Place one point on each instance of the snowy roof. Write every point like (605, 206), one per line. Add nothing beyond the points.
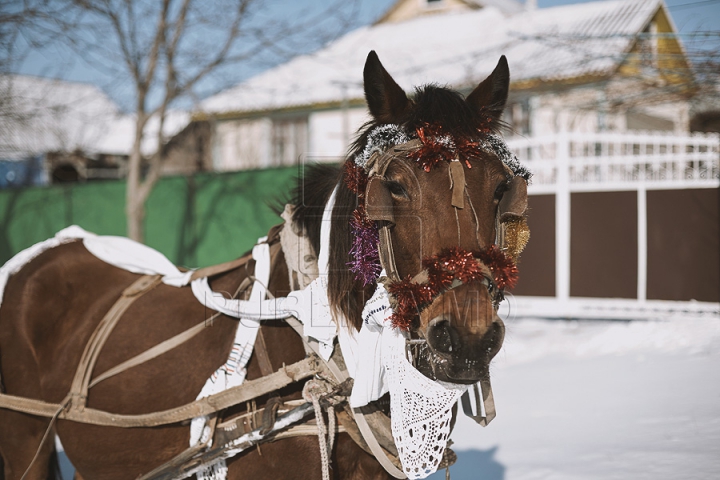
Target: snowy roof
(459, 49)
(39, 115)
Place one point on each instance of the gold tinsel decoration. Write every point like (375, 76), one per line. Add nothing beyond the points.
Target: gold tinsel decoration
(516, 237)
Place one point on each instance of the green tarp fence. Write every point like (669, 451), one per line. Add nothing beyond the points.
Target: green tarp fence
(195, 221)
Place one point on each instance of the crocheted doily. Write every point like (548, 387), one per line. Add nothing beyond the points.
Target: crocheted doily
(420, 408)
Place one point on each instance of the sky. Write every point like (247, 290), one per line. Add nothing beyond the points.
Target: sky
(690, 17)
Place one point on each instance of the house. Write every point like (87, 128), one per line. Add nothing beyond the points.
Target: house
(60, 131)
(602, 66)
(55, 131)
(624, 203)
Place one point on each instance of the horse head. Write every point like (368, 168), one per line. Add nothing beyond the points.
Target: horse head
(438, 194)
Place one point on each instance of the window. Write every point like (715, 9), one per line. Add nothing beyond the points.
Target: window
(517, 116)
(432, 3)
(289, 140)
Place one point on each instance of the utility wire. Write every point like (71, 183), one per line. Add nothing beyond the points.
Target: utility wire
(693, 4)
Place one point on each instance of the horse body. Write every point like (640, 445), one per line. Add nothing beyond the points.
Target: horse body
(52, 306)
(77, 289)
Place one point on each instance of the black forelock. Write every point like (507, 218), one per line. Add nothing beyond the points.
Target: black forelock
(433, 104)
(442, 106)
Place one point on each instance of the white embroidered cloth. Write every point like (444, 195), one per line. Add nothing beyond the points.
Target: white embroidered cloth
(421, 408)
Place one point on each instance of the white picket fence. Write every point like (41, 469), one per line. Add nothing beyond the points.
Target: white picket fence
(596, 162)
(612, 161)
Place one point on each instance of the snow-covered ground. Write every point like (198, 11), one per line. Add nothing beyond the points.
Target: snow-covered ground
(581, 400)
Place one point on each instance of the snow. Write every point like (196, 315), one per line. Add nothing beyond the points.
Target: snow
(43, 115)
(457, 48)
(586, 400)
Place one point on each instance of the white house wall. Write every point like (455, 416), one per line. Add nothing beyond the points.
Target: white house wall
(652, 98)
(331, 131)
(242, 144)
(587, 110)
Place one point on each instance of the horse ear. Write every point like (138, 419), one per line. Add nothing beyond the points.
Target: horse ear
(386, 100)
(490, 96)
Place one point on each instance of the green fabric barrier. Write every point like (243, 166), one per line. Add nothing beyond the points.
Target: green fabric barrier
(195, 221)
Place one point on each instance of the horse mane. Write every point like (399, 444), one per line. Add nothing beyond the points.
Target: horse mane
(432, 104)
(309, 196)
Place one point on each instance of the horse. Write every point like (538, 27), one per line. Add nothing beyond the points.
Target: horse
(54, 303)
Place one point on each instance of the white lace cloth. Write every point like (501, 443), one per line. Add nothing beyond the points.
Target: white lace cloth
(421, 409)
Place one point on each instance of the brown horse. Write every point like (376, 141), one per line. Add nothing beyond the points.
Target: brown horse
(52, 306)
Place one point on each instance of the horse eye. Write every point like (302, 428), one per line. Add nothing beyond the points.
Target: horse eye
(396, 190)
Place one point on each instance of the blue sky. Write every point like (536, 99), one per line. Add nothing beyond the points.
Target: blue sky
(690, 16)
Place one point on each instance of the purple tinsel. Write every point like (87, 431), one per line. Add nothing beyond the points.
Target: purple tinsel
(364, 252)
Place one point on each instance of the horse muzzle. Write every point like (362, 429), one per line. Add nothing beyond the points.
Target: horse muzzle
(452, 355)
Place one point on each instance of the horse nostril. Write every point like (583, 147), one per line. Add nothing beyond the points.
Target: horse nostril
(442, 337)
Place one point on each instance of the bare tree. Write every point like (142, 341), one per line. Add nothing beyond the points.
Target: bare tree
(168, 53)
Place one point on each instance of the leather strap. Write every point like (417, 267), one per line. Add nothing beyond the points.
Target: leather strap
(487, 400)
(340, 373)
(457, 181)
(261, 353)
(205, 406)
(79, 386)
(168, 344)
(377, 167)
(151, 353)
(220, 268)
(387, 253)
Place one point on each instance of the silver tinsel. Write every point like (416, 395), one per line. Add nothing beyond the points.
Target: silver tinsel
(495, 143)
(389, 135)
(379, 140)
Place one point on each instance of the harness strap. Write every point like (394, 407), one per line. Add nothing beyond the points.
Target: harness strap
(387, 253)
(487, 401)
(235, 427)
(457, 183)
(219, 268)
(205, 406)
(261, 353)
(168, 344)
(79, 386)
(377, 167)
(381, 422)
(151, 353)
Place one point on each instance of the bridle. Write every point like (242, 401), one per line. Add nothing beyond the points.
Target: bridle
(378, 207)
(494, 268)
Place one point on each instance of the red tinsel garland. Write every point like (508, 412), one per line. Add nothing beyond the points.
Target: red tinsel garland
(355, 178)
(442, 269)
(437, 147)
